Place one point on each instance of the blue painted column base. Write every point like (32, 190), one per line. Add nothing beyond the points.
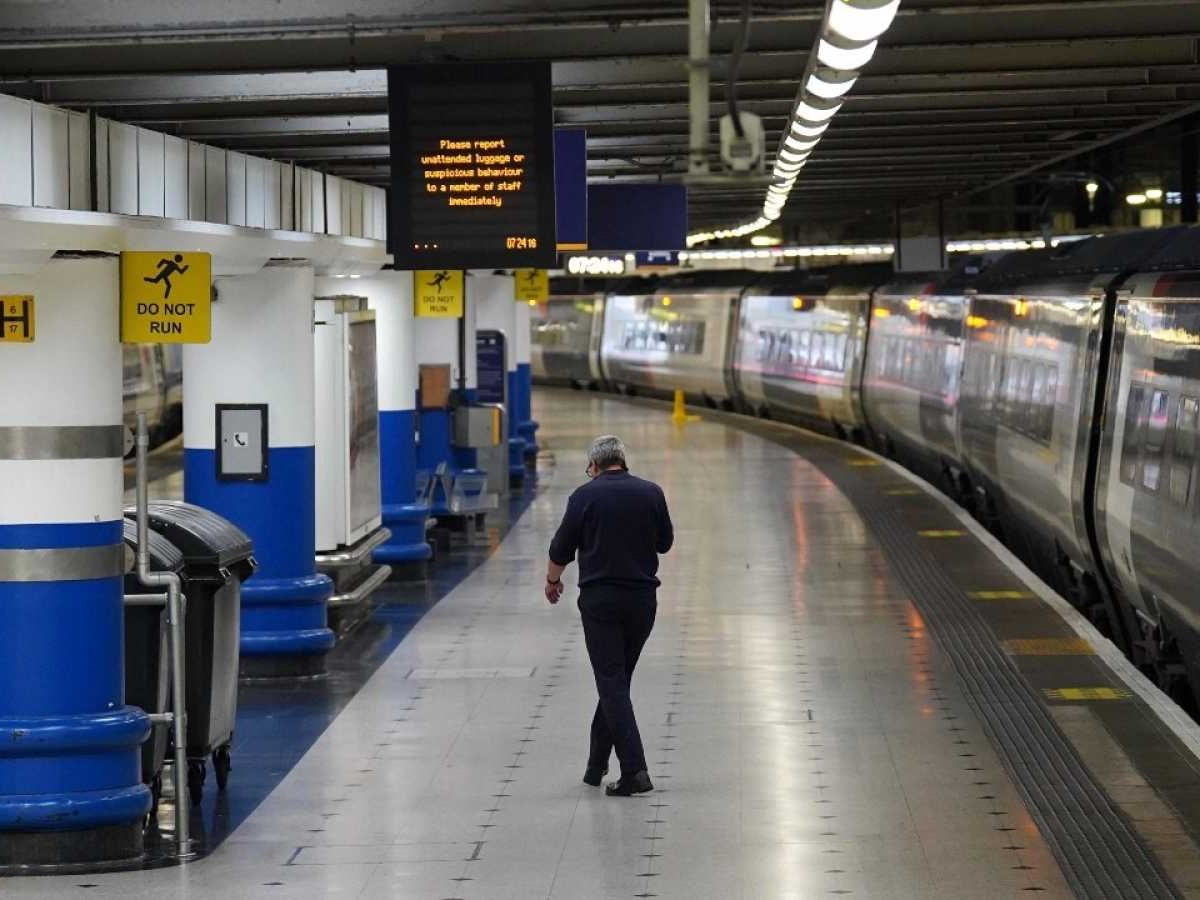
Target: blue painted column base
(284, 630)
(528, 430)
(406, 522)
(516, 460)
(284, 627)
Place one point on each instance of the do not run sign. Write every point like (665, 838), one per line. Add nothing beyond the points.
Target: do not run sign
(166, 297)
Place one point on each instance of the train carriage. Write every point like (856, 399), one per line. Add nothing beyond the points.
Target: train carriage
(800, 342)
(1034, 355)
(1147, 503)
(911, 377)
(672, 335)
(565, 341)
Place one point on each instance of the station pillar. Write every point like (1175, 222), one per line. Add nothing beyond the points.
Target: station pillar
(261, 354)
(390, 295)
(497, 310)
(71, 791)
(526, 426)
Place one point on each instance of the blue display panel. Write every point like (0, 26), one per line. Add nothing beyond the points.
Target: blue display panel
(489, 366)
(637, 216)
(571, 188)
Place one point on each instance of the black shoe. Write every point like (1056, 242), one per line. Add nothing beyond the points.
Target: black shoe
(637, 783)
(593, 775)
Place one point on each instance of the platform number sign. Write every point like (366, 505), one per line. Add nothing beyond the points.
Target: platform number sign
(16, 319)
(166, 297)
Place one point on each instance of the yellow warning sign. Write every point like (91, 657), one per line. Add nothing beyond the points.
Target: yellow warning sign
(438, 294)
(533, 285)
(166, 298)
(16, 319)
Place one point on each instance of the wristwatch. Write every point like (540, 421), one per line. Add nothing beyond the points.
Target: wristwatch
(556, 582)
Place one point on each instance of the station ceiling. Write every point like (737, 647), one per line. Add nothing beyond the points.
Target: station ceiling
(962, 93)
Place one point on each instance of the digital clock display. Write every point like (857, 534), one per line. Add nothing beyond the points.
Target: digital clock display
(472, 152)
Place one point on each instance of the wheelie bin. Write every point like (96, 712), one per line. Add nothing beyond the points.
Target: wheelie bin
(147, 656)
(217, 557)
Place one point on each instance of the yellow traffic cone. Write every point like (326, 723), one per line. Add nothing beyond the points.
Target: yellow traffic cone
(679, 415)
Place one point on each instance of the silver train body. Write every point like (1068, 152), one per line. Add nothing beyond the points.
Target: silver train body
(1054, 393)
(152, 382)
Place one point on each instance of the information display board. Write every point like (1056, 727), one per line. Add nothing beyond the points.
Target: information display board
(472, 153)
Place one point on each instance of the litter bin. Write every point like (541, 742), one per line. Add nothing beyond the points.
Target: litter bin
(217, 557)
(147, 662)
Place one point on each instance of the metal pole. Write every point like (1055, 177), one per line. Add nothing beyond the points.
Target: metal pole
(699, 37)
(174, 586)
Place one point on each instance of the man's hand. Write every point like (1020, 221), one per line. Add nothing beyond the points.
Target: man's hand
(554, 591)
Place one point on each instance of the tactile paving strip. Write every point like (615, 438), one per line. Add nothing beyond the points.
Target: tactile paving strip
(1100, 854)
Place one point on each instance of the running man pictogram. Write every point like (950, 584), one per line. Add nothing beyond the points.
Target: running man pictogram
(439, 279)
(167, 268)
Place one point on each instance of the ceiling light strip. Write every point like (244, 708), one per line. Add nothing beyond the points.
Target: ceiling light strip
(847, 40)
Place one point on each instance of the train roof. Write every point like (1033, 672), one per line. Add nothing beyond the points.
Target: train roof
(708, 280)
(818, 281)
(939, 282)
(1180, 252)
(1075, 260)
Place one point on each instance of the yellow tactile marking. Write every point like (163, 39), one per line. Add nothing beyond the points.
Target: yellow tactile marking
(1049, 647)
(1086, 693)
(941, 533)
(862, 463)
(902, 492)
(1001, 595)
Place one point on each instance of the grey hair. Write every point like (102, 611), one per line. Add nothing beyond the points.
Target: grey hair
(606, 451)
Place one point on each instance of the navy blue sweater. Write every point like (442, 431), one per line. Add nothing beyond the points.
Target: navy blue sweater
(617, 524)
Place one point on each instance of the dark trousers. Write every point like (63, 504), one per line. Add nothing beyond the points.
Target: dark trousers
(616, 623)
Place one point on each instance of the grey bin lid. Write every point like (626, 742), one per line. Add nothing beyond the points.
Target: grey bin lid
(205, 539)
(164, 556)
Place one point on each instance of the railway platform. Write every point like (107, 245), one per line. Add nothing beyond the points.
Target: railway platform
(851, 690)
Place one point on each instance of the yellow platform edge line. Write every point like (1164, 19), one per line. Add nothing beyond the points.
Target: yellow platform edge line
(1086, 693)
(1049, 647)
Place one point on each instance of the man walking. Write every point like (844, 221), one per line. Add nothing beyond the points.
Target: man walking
(617, 524)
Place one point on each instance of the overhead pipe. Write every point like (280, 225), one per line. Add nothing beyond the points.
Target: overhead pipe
(699, 38)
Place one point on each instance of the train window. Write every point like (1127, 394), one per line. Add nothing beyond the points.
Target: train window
(1025, 395)
(1050, 404)
(1037, 400)
(1187, 419)
(816, 351)
(1131, 441)
(831, 353)
(1156, 435)
(802, 345)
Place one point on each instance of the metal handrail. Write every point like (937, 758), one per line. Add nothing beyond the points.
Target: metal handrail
(369, 584)
(354, 555)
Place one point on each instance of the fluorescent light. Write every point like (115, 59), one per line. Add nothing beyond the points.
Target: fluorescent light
(1135, 199)
(793, 156)
(1154, 194)
(806, 112)
(861, 23)
(792, 142)
(842, 59)
(828, 90)
(765, 240)
(804, 129)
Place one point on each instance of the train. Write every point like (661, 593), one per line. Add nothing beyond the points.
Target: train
(152, 383)
(1054, 393)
